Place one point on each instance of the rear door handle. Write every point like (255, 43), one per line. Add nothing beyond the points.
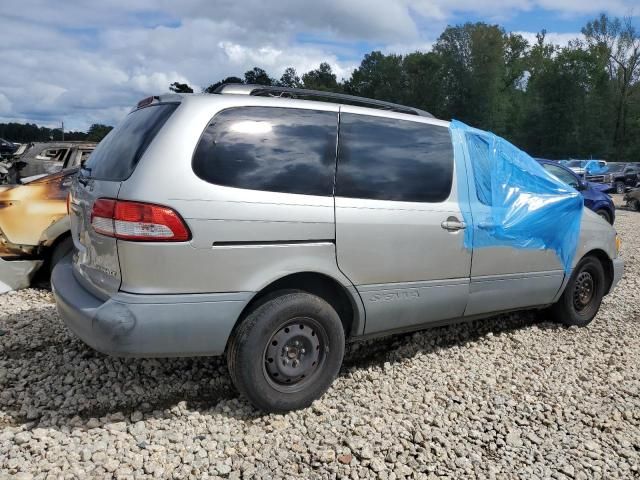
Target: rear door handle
(452, 224)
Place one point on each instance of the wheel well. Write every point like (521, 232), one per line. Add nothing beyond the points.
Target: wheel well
(61, 238)
(607, 265)
(317, 284)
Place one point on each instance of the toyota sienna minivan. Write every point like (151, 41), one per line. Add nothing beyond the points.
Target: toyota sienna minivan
(265, 225)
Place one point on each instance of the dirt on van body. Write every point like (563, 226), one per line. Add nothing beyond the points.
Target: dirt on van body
(512, 396)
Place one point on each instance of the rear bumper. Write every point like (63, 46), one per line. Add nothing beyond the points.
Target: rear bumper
(16, 274)
(618, 271)
(130, 325)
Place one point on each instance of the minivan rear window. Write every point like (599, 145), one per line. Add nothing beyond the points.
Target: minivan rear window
(273, 149)
(116, 156)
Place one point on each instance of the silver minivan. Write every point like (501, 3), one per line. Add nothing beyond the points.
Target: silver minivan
(271, 227)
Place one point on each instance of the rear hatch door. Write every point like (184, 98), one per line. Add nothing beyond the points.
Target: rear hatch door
(112, 163)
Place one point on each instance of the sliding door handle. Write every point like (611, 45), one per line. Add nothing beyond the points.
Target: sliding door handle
(452, 224)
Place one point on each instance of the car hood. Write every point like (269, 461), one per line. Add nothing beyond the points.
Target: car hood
(601, 187)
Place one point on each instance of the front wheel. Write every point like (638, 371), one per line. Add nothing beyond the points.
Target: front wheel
(634, 204)
(582, 296)
(287, 352)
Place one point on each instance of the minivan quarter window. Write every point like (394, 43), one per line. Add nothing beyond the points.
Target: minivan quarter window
(274, 149)
(389, 159)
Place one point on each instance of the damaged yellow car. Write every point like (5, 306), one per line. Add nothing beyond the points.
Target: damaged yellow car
(34, 228)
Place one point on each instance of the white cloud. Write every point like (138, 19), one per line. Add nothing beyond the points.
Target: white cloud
(555, 38)
(87, 63)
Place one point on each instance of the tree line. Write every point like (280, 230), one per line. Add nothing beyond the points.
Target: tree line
(30, 132)
(581, 100)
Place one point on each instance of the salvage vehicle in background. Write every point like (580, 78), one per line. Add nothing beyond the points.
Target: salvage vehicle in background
(584, 166)
(619, 177)
(7, 147)
(297, 225)
(594, 194)
(44, 158)
(34, 228)
(632, 199)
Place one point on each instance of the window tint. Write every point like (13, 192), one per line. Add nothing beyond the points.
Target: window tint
(266, 148)
(561, 174)
(117, 155)
(389, 159)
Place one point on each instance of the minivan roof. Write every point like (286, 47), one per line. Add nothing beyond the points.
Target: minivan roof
(301, 93)
(296, 94)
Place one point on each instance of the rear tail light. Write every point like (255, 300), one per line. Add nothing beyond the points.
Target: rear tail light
(68, 203)
(137, 221)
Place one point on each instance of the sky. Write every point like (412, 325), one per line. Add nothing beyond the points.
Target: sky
(90, 62)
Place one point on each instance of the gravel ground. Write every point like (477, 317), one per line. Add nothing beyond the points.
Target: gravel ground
(512, 396)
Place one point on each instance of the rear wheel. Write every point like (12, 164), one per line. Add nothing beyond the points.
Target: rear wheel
(582, 296)
(604, 214)
(287, 352)
(620, 187)
(634, 204)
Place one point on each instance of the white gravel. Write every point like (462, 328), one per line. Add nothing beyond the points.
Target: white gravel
(503, 398)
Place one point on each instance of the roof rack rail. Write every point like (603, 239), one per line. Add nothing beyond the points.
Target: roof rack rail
(286, 92)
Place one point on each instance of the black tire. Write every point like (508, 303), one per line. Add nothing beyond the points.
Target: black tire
(302, 363)
(634, 204)
(60, 250)
(582, 296)
(620, 187)
(604, 214)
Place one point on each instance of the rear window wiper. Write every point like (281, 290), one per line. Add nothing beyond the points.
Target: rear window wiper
(82, 178)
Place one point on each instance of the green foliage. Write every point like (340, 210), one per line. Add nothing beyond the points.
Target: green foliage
(212, 88)
(290, 79)
(180, 88)
(581, 100)
(30, 132)
(97, 132)
(257, 76)
(322, 78)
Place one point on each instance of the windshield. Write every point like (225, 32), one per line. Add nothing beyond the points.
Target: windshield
(575, 163)
(117, 155)
(616, 168)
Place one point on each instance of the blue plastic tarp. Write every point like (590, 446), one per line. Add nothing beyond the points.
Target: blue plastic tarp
(516, 202)
(593, 167)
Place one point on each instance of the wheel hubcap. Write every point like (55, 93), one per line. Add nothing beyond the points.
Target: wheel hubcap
(583, 291)
(294, 352)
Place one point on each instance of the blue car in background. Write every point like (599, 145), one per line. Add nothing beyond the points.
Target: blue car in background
(594, 197)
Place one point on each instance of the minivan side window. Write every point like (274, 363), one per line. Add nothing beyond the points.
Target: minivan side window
(286, 150)
(389, 159)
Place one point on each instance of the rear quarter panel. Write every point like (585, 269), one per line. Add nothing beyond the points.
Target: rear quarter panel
(302, 224)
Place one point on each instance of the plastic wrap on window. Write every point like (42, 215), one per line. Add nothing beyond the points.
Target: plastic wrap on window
(516, 202)
(593, 167)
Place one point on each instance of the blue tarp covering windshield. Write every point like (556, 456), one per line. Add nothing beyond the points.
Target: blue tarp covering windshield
(516, 203)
